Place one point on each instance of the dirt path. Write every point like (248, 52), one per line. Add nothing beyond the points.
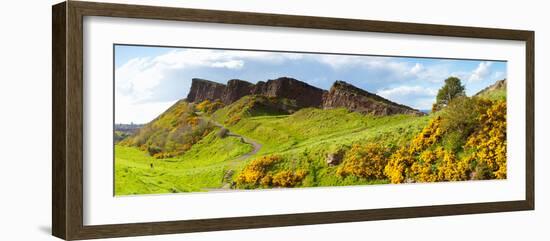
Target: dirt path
(256, 145)
(233, 163)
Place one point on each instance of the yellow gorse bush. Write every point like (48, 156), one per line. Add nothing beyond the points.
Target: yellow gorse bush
(208, 106)
(399, 167)
(489, 142)
(439, 165)
(288, 178)
(367, 161)
(425, 160)
(258, 173)
(256, 170)
(429, 136)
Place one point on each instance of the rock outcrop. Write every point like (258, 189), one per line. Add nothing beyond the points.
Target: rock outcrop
(499, 85)
(345, 95)
(341, 94)
(202, 89)
(235, 90)
(304, 94)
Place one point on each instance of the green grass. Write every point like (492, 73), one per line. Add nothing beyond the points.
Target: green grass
(315, 128)
(302, 139)
(499, 94)
(200, 168)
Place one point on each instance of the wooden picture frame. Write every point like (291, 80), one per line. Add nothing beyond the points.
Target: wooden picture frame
(67, 122)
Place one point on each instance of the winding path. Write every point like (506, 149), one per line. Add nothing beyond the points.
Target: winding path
(256, 145)
(232, 164)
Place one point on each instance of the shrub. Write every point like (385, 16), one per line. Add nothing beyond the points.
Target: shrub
(367, 161)
(208, 106)
(424, 170)
(288, 178)
(427, 137)
(423, 160)
(256, 170)
(450, 168)
(153, 150)
(460, 115)
(488, 143)
(439, 165)
(259, 172)
(267, 180)
(399, 164)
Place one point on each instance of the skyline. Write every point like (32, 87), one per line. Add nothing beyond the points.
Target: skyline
(150, 79)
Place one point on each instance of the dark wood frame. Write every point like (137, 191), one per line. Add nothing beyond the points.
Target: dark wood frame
(67, 121)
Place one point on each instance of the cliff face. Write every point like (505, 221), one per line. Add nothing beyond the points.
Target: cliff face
(235, 90)
(345, 95)
(305, 95)
(341, 94)
(202, 89)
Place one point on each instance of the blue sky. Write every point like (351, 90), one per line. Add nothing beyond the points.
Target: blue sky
(150, 79)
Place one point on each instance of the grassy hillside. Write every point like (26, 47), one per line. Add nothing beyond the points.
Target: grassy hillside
(496, 91)
(254, 105)
(201, 167)
(172, 133)
(498, 94)
(304, 139)
(261, 142)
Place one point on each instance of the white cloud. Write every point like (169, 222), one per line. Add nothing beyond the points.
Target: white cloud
(375, 63)
(416, 91)
(137, 79)
(128, 111)
(416, 68)
(414, 96)
(481, 72)
(231, 64)
(390, 68)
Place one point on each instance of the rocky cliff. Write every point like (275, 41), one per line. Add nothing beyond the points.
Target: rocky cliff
(305, 95)
(235, 90)
(202, 89)
(342, 94)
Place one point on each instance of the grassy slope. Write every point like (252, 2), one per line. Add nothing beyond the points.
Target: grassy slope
(305, 137)
(498, 94)
(200, 167)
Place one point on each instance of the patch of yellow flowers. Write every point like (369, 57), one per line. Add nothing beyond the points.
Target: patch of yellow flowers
(422, 161)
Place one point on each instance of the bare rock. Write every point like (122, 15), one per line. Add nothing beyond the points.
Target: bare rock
(202, 89)
(345, 95)
(235, 90)
(301, 94)
(304, 94)
(335, 158)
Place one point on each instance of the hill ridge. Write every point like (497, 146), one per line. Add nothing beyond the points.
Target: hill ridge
(341, 94)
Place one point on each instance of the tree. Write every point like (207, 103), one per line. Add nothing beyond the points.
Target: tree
(453, 88)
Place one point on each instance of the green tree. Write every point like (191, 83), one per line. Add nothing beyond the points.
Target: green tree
(453, 88)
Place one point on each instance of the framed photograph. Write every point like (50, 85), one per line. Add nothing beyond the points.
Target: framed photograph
(171, 120)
